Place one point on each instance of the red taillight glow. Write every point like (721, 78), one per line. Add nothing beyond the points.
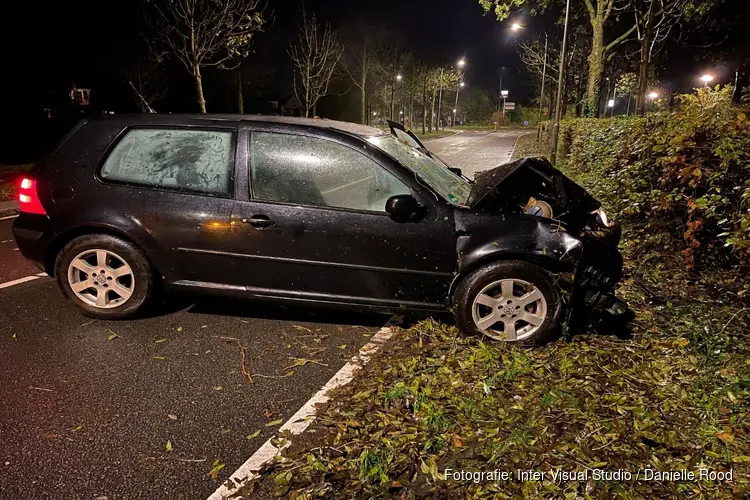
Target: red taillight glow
(28, 200)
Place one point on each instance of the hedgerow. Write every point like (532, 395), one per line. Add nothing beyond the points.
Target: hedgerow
(683, 177)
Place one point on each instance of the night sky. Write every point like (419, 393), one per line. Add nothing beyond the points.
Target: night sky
(48, 45)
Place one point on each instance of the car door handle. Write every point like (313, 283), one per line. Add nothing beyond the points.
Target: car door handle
(259, 221)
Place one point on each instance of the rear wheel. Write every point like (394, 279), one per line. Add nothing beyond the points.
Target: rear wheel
(513, 301)
(105, 276)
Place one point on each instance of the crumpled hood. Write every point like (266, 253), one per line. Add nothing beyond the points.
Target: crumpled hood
(572, 195)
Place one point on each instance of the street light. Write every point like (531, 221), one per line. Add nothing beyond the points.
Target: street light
(516, 27)
(461, 63)
(560, 80)
(653, 95)
(399, 78)
(707, 79)
(460, 86)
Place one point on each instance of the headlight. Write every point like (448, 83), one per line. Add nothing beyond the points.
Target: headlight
(603, 217)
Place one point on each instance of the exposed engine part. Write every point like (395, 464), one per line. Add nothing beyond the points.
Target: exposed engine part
(539, 208)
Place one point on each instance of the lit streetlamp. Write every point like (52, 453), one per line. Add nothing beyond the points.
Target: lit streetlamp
(460, 86)
(516, 27)
(461, 63)
(707, 79)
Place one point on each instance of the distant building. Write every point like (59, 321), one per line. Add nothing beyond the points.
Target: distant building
(80, 96)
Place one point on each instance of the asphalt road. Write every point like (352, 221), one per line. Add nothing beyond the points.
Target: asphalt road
(473, 151)
(88, 414)
(89, 406)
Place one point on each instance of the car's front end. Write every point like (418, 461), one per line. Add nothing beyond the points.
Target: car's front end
(534, 188)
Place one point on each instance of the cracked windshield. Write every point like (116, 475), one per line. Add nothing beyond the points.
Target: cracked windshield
(447, 184)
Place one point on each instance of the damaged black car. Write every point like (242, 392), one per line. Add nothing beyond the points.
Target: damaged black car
(315, 212)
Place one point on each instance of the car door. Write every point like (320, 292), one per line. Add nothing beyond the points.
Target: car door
(315, 226)
(187, 175)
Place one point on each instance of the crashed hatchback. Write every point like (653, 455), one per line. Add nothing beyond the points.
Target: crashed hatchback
(315, 212)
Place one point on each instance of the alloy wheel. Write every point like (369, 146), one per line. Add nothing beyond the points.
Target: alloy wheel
(101, 278)
(509, 309)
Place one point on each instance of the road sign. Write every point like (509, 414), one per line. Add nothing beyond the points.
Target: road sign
(510, 106)
(526, 123)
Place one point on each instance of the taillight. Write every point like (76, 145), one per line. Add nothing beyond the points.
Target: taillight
(28, 200)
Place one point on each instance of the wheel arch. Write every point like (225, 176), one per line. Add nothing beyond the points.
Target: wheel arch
(548, 263)
(58, 243)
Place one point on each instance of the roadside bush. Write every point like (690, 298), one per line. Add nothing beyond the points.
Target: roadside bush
(685, 173)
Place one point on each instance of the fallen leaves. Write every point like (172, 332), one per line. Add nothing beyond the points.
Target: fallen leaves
(168, 447)
(593, 402)
(112, 335)
(253, 434)
(217, 466)
(274, 423)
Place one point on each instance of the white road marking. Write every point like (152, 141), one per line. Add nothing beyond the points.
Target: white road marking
(25, 279)
(304, 416)
(8, 217)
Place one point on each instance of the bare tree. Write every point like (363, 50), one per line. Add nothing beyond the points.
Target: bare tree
(655, 21)
(361, 60)
(201, 33)
(147, 79)
(316, 56)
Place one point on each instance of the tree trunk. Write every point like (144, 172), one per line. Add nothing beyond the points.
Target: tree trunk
(411, 110)
(440, 102)
(199, 87)
(432, 111)
(645, 59)
(240, 97)
(363, 98)
(393, 99)
(596, 68)
(424, 107)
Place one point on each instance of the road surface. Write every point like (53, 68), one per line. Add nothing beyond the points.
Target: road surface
(90, 406)
(473, 151)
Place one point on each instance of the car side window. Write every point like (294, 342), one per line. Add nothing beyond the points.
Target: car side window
(313, 171)
(183, 160)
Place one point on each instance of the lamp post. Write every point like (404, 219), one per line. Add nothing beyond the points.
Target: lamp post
(541, 95)
(461, 63)
(398, 78)
(558, 105)
(455, 107)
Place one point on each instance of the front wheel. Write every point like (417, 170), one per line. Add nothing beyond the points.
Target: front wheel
(513, 301)
(105, 276)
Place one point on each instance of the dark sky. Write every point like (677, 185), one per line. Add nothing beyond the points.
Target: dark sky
(87, 39)
(49, 44)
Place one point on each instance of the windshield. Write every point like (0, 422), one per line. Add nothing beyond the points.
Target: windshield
(440, 179)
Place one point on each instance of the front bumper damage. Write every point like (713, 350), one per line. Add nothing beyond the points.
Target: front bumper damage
(593, 302)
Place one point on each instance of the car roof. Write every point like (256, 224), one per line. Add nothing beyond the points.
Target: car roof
(208, 119)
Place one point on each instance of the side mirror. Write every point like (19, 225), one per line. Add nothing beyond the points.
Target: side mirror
(403, 207)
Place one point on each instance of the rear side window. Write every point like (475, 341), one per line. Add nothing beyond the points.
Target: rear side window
(183, 160)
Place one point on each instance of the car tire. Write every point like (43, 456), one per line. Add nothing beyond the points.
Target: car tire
(105, 289)
(485, 289)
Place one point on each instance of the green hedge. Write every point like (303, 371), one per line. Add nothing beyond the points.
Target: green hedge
(683, 177)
